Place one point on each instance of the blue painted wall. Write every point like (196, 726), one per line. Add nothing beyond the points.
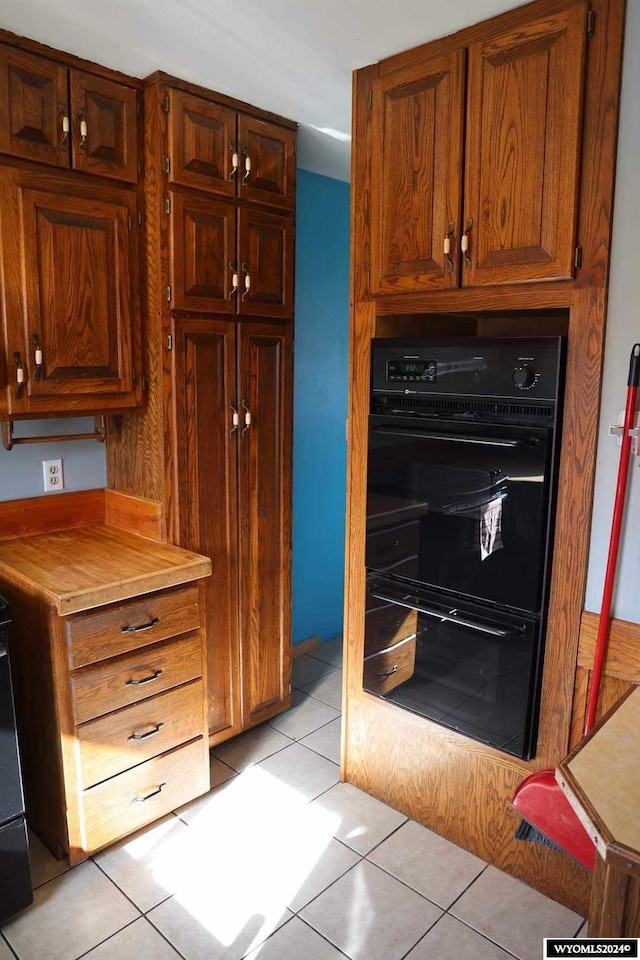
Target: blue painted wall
(320, 404)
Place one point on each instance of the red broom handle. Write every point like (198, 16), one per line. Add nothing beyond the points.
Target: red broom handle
(614, 542)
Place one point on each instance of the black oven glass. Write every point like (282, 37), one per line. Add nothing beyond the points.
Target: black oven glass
(465, 668)
(459, 506)
(461, 474)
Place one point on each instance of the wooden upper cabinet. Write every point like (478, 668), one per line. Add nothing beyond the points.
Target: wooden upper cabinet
(524, 123)
(265, 247)
(33, 104)
(205, 387)
(264, 478)
(203, 247)
(202, 144)
(267, 163)
(71, 293)
(104, 127)
(417, 141)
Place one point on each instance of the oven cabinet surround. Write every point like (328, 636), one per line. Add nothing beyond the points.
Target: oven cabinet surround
(510, 101)
(458, 787)
(216, 434)
(110, 679)
(70, 235)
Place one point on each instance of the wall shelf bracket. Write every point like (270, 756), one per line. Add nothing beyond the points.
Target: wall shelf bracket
(9, 441)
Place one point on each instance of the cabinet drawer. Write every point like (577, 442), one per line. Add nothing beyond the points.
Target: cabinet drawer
(387, 669)
(116, 683)
(121, 740)
(387, 624)
(121, 627)
(127, 802)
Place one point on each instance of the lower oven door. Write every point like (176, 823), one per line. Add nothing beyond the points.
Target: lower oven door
(466, 666)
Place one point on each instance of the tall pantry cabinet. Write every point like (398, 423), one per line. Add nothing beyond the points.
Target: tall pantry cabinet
(214, 442)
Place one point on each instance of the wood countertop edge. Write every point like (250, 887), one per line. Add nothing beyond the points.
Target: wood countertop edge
(76, 600)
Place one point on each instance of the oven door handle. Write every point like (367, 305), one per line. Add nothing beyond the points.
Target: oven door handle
(450, 617)
(455, 438)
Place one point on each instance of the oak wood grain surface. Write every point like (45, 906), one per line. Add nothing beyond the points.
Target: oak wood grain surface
(121, 740)
(110, 145)
(135, 514)
(270, 150)
(32, 515)
(135, 623)
(88, 566)
(111, 684)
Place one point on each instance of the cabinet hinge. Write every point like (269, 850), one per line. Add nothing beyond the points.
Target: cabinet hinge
(129, 222)
(577, 260)
(370, 99)
(591, 21)
(165, 104)
(139, 167)
(134, 376)
(167, 165)
(144, 384)
(167, 205)
(139, 212)
(169, 341)
(368, 278)
(168, 291)
(137, 105)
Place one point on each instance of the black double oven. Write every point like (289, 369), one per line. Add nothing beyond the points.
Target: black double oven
(462, 462)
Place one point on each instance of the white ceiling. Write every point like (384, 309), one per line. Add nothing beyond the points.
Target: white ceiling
(293, 57)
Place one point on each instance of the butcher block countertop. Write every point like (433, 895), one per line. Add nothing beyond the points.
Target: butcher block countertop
(88, 566)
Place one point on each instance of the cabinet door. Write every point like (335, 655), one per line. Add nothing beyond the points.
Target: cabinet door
(265, 249)
(108, 143)
(203, 254)
(202, 144)
(33, 105)
(417, 172)
(267, 163)
(524, 120)
(206, 441)
(70, 268)
(264, 491)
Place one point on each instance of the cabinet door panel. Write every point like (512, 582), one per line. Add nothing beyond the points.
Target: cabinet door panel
(33, 102)
(202, 142)
(417, 173)
(523, 150)
(270, 152)
(265, 248)
(265, 354)
(204, 356)
(70, 271)
(203, 254)
(109, 148)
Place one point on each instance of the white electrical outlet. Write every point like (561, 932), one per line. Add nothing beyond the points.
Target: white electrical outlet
(53, 476)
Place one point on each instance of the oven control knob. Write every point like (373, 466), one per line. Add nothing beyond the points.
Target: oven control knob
(523, 377)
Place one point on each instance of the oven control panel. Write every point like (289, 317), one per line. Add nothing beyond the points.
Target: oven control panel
(469, 367)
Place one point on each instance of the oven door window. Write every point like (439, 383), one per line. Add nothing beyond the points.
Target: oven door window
(477, 676)
(459, 506)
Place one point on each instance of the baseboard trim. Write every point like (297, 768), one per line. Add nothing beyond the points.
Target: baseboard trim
(305, 646)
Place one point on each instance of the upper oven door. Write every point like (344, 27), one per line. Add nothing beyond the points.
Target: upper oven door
(459, 505)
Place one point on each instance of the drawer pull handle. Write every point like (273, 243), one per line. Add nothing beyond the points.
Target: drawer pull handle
(389, 673)
(138, 683)
(141, 626)
(148, 796)
(150, 733)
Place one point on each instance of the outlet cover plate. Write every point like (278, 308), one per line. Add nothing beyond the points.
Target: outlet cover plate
(53, 476)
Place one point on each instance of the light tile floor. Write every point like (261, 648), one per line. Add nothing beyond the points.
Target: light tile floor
(281, 861)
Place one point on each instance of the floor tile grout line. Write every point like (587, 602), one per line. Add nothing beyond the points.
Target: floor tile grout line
(106, 939)
(111, 880)
(315, 729)
(468, 886)
(157, 929)
(420, 939)
(10, 948)
(326, 939)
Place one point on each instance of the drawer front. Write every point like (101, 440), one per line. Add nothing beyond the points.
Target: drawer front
(118, 628)
(387, 624)
(116, 683)
(122, 740)
(394, 549)
(127, 802)
(387, 669)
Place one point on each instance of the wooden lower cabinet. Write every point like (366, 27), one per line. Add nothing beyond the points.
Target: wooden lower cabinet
(109, 746)
(233, 439)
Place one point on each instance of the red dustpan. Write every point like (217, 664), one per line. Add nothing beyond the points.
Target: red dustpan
(548, 817)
